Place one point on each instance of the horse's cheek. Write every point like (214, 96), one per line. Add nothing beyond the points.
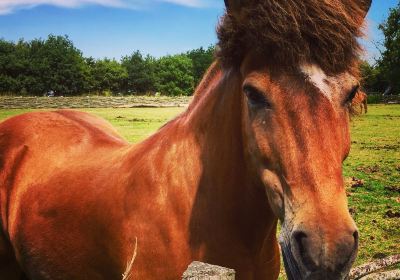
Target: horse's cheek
(274, 193)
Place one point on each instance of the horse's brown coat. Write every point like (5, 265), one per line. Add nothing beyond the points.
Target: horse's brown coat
(74, 196)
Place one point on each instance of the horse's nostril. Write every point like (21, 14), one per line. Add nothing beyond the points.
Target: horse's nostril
(355, 236)
(299, 237)
(302, 246)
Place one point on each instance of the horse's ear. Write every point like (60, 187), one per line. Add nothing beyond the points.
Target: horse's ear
(233, 6)
(365, 5)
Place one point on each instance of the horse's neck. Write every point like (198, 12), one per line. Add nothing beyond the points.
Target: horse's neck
(200, 156)
(226, 194)
(215, 118)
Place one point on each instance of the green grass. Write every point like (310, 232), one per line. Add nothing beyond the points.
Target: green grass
(136, 124)
(374, 158)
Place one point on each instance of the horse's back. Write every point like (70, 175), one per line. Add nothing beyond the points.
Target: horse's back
(50, 166)
(48, 139)
(60, 126)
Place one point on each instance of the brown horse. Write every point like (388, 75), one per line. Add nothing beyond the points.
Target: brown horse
(263, 139)
(360, 101)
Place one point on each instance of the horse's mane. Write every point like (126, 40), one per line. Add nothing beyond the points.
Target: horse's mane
(290, 32)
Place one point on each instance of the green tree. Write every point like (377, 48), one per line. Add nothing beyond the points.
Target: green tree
(53, 64)
(7, 81)
(201, 59)
(21, 67)
(89, 84)
(14, 66)
(141, 73)
(108, 75)
(66, 65)
(174, 75)
(371, 76)
(389, 63)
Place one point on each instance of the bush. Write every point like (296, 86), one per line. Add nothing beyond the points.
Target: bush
(375, 98)
(174, 75)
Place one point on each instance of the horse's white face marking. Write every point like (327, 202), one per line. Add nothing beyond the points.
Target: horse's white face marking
(318, 78)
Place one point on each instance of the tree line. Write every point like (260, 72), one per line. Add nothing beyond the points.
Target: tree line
(55, 64)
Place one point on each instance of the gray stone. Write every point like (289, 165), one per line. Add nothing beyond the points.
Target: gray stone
(204, 271)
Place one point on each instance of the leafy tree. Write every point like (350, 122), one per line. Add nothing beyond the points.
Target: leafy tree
(65, 65)
(174, 75)
(141, 73)
(7, 82)
(39, 66)
(14, 65)
(108, 76)
(89, 84)
(389, 63)
(201, 59)
(21, 68)
(372, 80)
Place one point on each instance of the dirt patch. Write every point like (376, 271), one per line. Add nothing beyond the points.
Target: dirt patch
(145, 120)
(354, 183)
(369, 169)
(379, 255)
(388, 147)
(392, 214)
(395, 189)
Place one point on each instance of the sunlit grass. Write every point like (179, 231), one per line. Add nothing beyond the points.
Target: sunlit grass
(375, 158)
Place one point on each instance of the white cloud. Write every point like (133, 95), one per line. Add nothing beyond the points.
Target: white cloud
(190, 3)
(9, 6)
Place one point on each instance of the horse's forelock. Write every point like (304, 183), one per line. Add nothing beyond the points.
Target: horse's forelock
(292, 32)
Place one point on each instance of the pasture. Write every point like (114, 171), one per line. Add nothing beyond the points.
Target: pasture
(372, 170)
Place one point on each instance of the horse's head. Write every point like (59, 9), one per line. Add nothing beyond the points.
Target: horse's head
(298, 135)
(297, 84)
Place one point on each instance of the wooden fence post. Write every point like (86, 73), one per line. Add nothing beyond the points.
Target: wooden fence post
(204, 271)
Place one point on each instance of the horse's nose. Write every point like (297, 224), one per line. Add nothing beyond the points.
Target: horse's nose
(329, 255)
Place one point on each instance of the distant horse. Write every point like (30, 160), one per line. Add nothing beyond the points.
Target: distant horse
(263, 139)
(360, 101)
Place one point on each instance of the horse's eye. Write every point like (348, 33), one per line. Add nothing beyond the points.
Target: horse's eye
(351, 94)
(255, 97)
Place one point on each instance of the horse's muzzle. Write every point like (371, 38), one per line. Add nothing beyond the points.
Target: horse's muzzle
(308, 257)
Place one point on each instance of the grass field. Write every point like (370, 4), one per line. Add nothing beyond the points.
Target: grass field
(372, 170)
(375, 160)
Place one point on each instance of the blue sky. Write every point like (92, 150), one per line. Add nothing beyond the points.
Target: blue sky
(113, 28)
